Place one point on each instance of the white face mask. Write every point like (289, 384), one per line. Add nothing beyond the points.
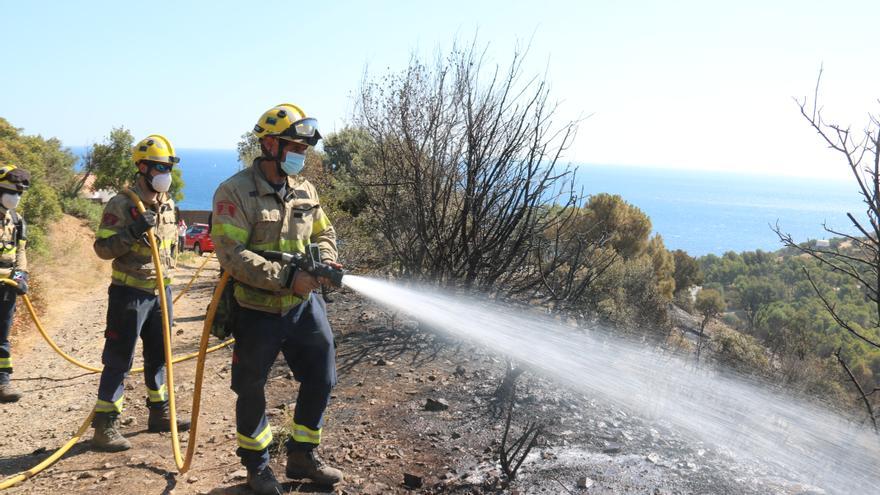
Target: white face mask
(161, 182)
(10, 201)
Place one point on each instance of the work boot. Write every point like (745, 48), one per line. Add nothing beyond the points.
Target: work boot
(8, 393)
(307, 464)
(107, 436)
(160, 420)
(263, 482)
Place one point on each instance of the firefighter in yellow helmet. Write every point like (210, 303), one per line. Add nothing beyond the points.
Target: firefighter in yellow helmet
(267, 207)
(134, 309)
(13, 265)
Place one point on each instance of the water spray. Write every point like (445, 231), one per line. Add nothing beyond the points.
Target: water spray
(751, 422)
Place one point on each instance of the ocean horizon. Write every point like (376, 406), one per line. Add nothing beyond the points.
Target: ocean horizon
(701, 212)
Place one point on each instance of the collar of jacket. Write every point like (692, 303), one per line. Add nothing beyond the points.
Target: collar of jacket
(262, 183)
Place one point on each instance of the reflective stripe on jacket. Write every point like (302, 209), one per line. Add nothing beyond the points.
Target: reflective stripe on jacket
(132, 258)
(249, 215)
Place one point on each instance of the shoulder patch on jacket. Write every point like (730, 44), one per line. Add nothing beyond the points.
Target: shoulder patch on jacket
(225, 208)
(109, 219)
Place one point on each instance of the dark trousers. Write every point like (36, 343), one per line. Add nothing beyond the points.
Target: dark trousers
(132, 313)
(303, 335)
(7, 310)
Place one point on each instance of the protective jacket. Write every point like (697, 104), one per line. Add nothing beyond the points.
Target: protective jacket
(13, 238)
(132, 259)
(250, 216)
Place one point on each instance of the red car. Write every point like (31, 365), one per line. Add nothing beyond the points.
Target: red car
(198, 238)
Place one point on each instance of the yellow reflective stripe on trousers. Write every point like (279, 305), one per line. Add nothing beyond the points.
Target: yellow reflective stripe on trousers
(160, 395)
(304, 434)
(260, 442)
(6, 362)
(10, 250)
(139, 283)
(102, 406)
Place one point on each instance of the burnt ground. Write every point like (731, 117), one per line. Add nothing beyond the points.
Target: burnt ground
(378, 427)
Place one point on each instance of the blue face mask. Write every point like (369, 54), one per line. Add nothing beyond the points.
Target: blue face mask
(293, 163)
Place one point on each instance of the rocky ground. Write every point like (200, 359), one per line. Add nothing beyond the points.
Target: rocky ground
(413, 412)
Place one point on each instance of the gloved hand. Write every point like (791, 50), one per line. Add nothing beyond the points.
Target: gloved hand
(304, 283)
(324, 281)
(142, 223)
(20, 278)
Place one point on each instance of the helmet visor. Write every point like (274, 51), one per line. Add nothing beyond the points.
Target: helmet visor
(303, 129)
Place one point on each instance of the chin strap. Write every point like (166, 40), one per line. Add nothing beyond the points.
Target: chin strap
(276, 158)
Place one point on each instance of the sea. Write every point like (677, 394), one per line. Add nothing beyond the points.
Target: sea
(700, 212)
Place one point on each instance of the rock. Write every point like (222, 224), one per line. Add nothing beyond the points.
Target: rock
(376, 489)
(612, 448)
(436, 405)
(456, 435)
(192, 479)
(412, 480)
(129, 421)
(653, 458)
(460, 371)
(381, 362)
(271, 412)
(106, 476)
(85, 474)
(585, 482)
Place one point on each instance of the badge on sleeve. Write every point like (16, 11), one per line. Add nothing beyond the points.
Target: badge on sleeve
(109, 219)
(225, 208)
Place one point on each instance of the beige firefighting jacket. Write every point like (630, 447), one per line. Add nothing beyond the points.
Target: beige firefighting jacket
(12, 245)
(250, 216)
(132, 258)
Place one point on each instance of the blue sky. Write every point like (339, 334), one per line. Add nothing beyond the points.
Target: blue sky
(689, 84)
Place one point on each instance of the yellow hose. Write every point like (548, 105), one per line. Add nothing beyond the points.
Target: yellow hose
(200, 373)
(193, 279)
(166, 331)
(183, 464)
(30, 473)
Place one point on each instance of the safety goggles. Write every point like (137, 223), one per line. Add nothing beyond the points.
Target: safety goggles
(161, 167)
(305, 130)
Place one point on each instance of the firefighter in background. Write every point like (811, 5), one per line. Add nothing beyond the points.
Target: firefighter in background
(13, 265)
(269, 206)
(134, 309)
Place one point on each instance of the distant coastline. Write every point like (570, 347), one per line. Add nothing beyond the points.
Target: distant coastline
(701, 212)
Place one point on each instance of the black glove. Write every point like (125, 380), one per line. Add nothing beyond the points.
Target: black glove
(21, 278)
(142, 223)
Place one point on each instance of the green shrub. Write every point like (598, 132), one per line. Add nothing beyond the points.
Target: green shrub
(85, 209)
(740, 352)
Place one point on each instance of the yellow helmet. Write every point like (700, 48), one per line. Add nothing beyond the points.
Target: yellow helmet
(288, 121)
(14, 179)
(155, 148)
